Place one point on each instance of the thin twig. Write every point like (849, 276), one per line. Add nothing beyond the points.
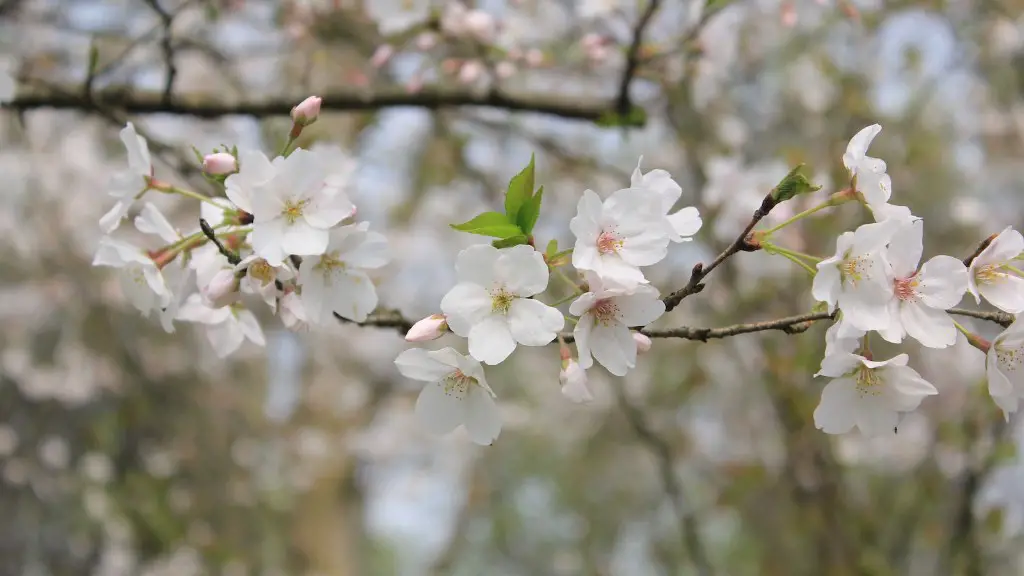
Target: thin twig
(210, 234)
(622, 103)
(166, 21)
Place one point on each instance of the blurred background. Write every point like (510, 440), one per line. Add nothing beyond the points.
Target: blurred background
(125, 450)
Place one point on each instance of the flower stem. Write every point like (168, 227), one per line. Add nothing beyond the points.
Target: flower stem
(804, 214)
(798, 262)
(1014, 269)
(770, 247)
(568, 281)
(171, 189)
(571, 319)
(566, 299)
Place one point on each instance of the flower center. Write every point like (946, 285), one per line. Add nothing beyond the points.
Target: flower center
(605, 311)
(868, 382)
(457, 384)
(137, 276)
(262, 271)
(906, 289)
(328, 264)
(501, 300)
(852, 269)
(988, 274)
(609, 243)
(1009, 358)
(292, 210)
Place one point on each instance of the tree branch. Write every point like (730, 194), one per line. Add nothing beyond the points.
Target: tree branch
(1001, 318)
(622, 103)
(213, 106)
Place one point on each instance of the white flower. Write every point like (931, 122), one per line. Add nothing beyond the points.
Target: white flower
(222, 289)
(395, 16)
(990, 273)
(178, 278)
(430, 328)
(126, 185)
(491, 303)
(141, 280)
(294, 210)
(606, 314)
(858, 278)
(921, 298)
(335, 282)
(868, 394)
(684, 222)
(574, 382)
(226, 328)
(152, 221)
(292, 312)
(8, 87)
(841, 337)
(254, 169)
(457, 393)
(872, 181)
(616, 237)
(1003, 363)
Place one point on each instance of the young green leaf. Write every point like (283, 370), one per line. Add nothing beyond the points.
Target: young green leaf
(489, 224)
(511, 241)
(530, 211)
(520, 189)
(552, 248)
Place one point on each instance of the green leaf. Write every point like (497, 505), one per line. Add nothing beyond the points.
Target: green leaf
(552, 248)
(530, 211)
(794, 184)
(511, 241)
(520, 189)
(489, 224)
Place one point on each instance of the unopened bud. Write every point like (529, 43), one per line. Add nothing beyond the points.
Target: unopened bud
(307, 111)
(382, 55)
(574, 382)
(219, 164)
(788, 15)
(643, 342)
(222, 289)
(430, 328)
(261, 270)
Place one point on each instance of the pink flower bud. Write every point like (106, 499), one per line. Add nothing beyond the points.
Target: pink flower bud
(430, 328)
(222, 289)
(479, 24)
(534, 57)
(574, 382)
(505, 69)
(789, 15)
(643, 342)
(591, 40)
(307, 111)
(426, 41)
(219, 163)
(471, 71)
(382, 55)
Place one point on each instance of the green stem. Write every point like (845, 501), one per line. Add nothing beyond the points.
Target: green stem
(1014, 269)
(171, 189)
(804, 214)
(798, 262)
(292, 137)
(571, 319)
(566, 299)
(769, 247)
(962, 330)
(575, 287)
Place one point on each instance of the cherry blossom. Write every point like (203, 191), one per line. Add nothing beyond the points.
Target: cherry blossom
(606, 314)
(868, 394)
(456, 394)
(336, 281)
(254, 169)
(126, 185)
(491, 303)
(294, 209)
(1004, 366)
(573, 379)
(921, 297)
(226, 328)
(858, 278)
(616, 237)
(141, 280)
(872, 181)
(292, 312)
(430, 328)
(682, 224)
(993, 276)
(219, 163)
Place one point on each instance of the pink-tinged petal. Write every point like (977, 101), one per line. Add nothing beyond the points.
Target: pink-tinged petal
(905, 248)
(686, 222)
(875, 419)
(942, 282)
(112, 219)
(521, 270)
(250, 327)
(639, 309)
(351, 295)
(613, 347)
(466, 305)
(438, 410)
(482, 417)
(586, 225)
(827, 285)
(534, 323)
(490, 341)
(1006, 292)
(581, 333)
(476, 263)
(857, 149)
(929, 326)
(328, 208)
(419, 364)
(1006, 246)
(835, 413)
(225, 338)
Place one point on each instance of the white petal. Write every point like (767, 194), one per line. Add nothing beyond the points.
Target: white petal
(904, 387)
(1006, 292)
(475, 264)
(869, 238)
(250, 327)
(586, 225)
(352, 295)
(267, 240)
(942, 282)
(581, 333)
(999, 386)
(438, 411)
(225, 337)
(302, 239)
(328, 208)
(1004, 247)
(466, 305)
(644, 249)
(835, 411)
(138, 152)
(490, 340)
(894, 331)
(534, 323)
(482, 417)
(905, 248)
(929, 326)
(686, 222)
(839, 364)
(521, 270)
(195, 310)
(858, 146)
(419, 364)
(580, 305)
(865, 308)
(874, 419)
(827, 285)
(152, 221)
(613, 347)
(112, 219)
(639, 309)
(614, 270)
(373, 252)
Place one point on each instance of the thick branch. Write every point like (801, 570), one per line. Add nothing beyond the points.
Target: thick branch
(214, 106)
(1001, 318)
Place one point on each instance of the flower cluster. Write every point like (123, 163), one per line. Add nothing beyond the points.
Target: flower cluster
(284, 234)
(494, 303)
(877, 282)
